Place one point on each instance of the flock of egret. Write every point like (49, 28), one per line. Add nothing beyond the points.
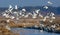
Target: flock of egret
(23, 14)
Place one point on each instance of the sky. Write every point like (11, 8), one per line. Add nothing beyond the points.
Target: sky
(21, 3)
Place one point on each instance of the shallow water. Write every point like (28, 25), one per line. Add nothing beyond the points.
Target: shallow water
(23, 31)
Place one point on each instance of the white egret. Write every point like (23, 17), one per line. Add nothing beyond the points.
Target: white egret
(53, 26)
(41, 15)
(7, 27)
(16, 7)
(37, 11)
(8, 20)
(49, 2)
(10, 6)
(12, 17)
(24, 10)
(34, 15)
(46, 7)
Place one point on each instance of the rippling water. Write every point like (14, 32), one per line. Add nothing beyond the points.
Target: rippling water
(23, 31)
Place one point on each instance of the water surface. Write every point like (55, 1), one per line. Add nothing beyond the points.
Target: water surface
(23, 31)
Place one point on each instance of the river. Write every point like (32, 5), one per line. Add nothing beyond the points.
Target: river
(25, 31)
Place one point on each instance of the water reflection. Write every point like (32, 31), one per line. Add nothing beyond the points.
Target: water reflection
(23, 31)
